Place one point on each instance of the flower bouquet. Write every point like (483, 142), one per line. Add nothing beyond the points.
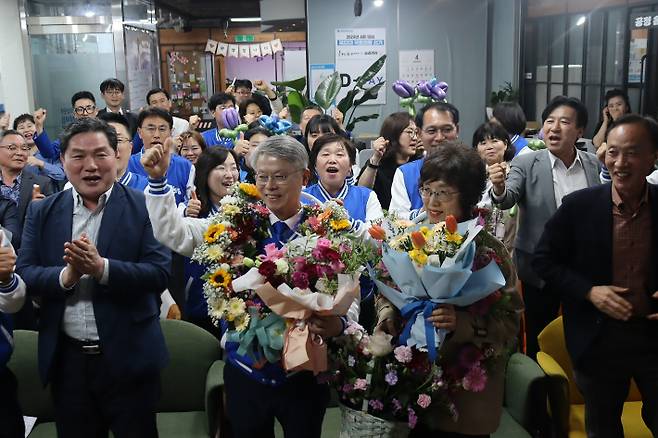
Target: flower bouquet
(316, 273)
(424, 266)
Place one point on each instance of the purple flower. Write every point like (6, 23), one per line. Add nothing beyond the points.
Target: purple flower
(475, 380)
(403, 354)
(424, 400)
(403, 89)
(397, 406)
(391, 378)
(376, 405)
(437, 93)
(412, 418)
(444, 86)
(347, 388)
(300, 279)
(424, 88)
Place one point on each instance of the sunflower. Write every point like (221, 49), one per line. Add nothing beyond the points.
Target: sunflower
(220, 279)
(338, 225)
(212, 233)
(249, 190)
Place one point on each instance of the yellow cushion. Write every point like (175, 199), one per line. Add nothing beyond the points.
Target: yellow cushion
(631, 418)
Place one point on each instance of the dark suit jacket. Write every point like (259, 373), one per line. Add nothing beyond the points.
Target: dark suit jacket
(575, 253)
(9, 220)
(130, 117)
(28, 180)
(127, 309)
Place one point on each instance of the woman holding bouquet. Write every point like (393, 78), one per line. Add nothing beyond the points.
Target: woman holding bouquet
(451, 183)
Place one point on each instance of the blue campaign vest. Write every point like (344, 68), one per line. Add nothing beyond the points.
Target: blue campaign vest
(212, 138)
(177, 176)
(355, 198)
(6, 347)
(411, 175)
(519, 143)
(134, 181)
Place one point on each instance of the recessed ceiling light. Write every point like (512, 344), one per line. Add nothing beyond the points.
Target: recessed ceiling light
(89, 14)
(378, 3)
(581, 21)
(245, 19)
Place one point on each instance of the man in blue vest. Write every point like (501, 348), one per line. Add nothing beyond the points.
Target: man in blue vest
(12, 297)
(437, 122)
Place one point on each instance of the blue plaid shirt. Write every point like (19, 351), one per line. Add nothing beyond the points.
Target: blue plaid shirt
(12, 192)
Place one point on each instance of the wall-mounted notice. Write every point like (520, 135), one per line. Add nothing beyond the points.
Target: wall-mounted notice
(416, 65)
(356, 50)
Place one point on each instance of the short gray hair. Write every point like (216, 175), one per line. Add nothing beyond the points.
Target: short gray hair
(284, 148)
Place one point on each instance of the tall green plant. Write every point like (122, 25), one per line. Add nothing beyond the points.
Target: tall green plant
(293, 94)
(505, 93)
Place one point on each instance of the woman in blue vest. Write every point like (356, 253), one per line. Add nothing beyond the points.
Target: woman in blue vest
(332, 157)
(216, 172)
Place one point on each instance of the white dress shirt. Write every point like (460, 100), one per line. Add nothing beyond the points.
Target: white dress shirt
(565, 180)
(79, 321)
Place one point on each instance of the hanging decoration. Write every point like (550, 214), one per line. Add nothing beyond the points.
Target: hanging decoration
(254, 50)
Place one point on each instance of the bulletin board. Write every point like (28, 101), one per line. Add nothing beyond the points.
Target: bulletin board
(187, 82)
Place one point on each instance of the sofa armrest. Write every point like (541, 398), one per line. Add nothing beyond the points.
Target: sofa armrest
(214, 395)
(558, 393)
(525, 394)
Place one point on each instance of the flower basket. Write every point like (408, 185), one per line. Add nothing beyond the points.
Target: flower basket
(359, 424)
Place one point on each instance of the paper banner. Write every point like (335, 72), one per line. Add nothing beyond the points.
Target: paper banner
(211, 46)
(244, 51)
(233, 50)
(254, 50)
(222, 49)
(276, 45)
(265, 49)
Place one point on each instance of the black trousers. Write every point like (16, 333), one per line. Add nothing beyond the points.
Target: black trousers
(11, 419)
(88, 402)
(623, 351)
(299, 405)
(541, 307)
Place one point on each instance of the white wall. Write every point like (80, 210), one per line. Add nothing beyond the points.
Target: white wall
(505, 44)
(455, 29)
(15, 72)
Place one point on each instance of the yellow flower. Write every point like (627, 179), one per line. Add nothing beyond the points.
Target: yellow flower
(338, 225)
(215, 252)
(230, 209)
(212, 233)
(418, 256)
(454, 238)
(217, 308)
(426, 231)
(250, 190)
(220, 279)
(236, 309)
(241, 322)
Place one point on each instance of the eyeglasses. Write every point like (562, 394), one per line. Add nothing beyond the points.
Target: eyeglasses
(89, 109)
(441, 195)
(410, 132)
(188, 149)
(444, 130)
(114, 92)
(278, 179)
(13, 148)
(153, 129)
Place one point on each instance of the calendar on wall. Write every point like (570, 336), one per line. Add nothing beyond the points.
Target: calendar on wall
(416, 65)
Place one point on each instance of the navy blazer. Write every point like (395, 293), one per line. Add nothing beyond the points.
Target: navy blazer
(575, 253)
(127, 308)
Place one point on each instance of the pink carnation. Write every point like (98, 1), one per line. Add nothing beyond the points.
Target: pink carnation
(475, 380)
(403, 354)
(360, 384)
(272, 253)
(323, 243)
(424, 400)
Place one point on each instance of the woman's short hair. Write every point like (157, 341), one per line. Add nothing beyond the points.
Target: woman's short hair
(494, 131)
(242, 109)
(328, 139)
(196, 136)
(254, 129)
(511, 116)
(616, 92)
(322, 124)
(392, 129)
(207, 161)
(284, 148)
(457, 165)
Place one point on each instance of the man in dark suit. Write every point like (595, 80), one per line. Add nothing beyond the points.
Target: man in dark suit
(90, 254)
(537, 182)
(19, 184)
(598, 255)
(112, 92)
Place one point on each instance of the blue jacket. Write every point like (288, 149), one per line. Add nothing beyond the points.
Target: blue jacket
(134, 181)
(178, 174)
(212, 138)
(411, 173)
(127, 309)
(6, 327)
(48, 149)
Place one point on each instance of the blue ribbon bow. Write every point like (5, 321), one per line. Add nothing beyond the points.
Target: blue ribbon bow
(410, 313)
(264, 337)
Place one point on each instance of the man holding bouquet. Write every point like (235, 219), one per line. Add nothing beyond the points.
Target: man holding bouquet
(256, 393)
